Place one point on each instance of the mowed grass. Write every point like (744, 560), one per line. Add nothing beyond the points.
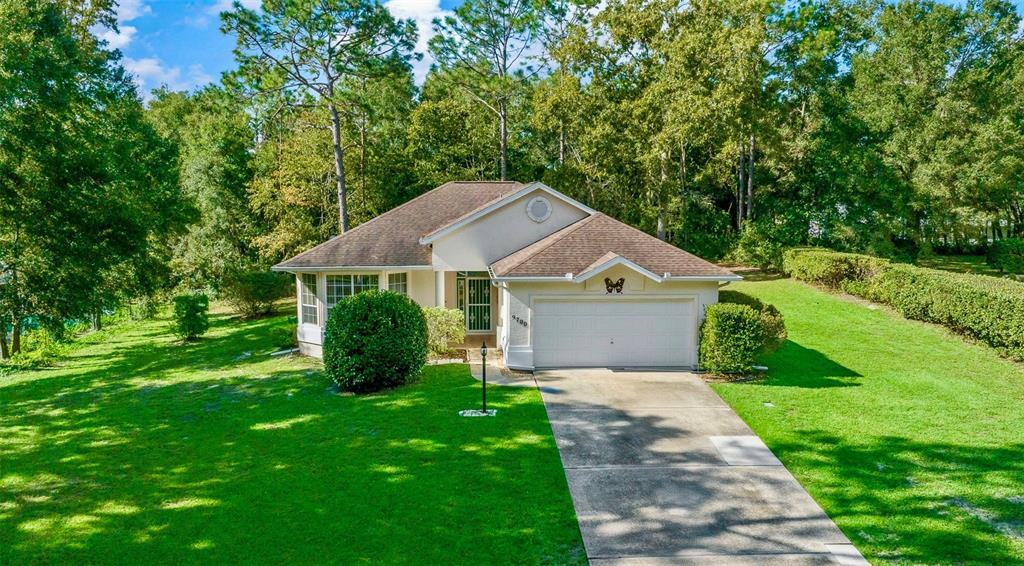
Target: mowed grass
(960, 264)
(910, 438)
(141, 450)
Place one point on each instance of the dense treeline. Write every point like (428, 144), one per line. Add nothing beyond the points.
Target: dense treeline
(727, 128)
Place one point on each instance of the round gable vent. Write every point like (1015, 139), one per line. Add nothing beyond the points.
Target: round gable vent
(538, 209)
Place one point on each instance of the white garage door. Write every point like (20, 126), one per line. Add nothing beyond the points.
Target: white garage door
(614, 332)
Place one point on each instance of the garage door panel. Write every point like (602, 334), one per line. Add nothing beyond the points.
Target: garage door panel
(614, 332)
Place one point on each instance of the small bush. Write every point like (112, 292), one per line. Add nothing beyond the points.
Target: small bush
(144, 308)
(253, 293)
(374, 340)
(1007, 255)
(284, 337)
(730, 338)
(445, 328)
(190, 316)
(40, 347)
(773, 326)
(761, 245)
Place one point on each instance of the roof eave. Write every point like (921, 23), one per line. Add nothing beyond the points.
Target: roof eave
(322, 268)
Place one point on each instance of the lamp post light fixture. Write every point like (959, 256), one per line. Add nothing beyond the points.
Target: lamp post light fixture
(483, 411)
(483, 367)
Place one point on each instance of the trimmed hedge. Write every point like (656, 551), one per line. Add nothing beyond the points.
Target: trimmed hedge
(1007, 255)
(445, 327)
(731, 336)
(985, 308)
(374, 340)
(773, 326)
(829, 268)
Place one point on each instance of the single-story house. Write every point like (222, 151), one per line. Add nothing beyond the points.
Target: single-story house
(550, 281)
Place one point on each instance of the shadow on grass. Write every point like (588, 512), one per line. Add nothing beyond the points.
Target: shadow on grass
(150, 451)
(918, 502)
(794, 365)
(898, 500)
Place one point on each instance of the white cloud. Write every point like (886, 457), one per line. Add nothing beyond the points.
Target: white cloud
(125, 11)
(225, 5)
(150, 73)
(128, 10)
(423, 13)
(118, 39)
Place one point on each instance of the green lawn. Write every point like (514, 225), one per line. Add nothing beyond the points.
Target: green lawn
(910, 438)
(140, 451)
(960, 264)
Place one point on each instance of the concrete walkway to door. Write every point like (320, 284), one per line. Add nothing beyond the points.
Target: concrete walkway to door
(662, 471)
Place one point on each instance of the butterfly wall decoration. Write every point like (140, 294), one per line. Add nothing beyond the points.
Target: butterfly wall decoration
(615, 286)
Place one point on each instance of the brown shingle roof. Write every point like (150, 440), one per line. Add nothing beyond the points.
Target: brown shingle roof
(393, 237)
(592, 241)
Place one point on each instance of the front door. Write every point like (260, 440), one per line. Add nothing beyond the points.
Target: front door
(475, 302)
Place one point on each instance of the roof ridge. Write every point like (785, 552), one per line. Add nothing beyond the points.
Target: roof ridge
(674, 248)
(565, 233)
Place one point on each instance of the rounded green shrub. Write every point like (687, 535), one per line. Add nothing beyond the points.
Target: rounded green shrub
(374, 340)
(731, 337)
(190, 316)
(773, 326)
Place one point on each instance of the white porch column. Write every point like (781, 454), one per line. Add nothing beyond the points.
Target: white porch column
(439, 288)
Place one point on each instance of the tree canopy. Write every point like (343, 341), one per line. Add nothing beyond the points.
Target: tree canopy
(724, 127)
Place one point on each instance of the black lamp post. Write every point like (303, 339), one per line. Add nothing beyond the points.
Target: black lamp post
(483, 364)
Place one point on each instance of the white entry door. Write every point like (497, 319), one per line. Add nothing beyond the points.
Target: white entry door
(614, 332)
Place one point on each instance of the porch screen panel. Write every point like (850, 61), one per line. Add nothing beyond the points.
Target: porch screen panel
(478, 304)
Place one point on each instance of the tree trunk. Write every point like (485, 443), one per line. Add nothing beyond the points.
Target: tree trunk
(362, 160)
(97, 322)
(5, 351)
(503, 135)
(662, 232)
(682, 170)
(339, 168)
(741, 170)
(15, 335)
(561, 142)
(750, 180)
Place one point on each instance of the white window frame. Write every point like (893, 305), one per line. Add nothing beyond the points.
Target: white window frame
(401, 287)
(308, 293)
(347, 284)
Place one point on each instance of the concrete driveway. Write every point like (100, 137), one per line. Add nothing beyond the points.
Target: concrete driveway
(662, 471)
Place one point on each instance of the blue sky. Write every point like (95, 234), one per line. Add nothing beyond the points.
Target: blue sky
(178, 42)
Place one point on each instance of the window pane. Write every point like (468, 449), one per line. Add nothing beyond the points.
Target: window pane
(338, 287)
(397, 282)
(309, 311)
(364, 283)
